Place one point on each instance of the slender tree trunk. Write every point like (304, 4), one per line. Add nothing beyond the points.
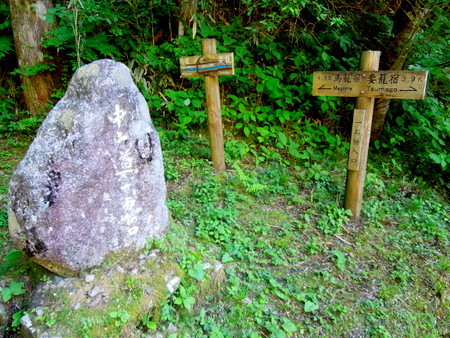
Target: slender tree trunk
(407, 22)
(188, 8)
(29, 28)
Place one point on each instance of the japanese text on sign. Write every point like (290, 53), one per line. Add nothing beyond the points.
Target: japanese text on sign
(387, 84)
(354, 157)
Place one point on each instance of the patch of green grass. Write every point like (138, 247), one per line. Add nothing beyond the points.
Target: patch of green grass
(294, 265)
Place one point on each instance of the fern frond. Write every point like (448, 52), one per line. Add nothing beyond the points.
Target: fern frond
(100, 43)
(60, 37)
(254, 188)
(242, 177)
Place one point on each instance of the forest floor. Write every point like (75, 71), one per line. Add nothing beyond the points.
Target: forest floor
(294, 263)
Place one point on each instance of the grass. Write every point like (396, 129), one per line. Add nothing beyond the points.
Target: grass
(294, 263)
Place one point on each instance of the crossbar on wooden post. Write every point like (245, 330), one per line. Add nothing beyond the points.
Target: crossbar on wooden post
(355, 178)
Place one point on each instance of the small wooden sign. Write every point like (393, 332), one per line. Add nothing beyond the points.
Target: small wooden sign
(395, 84)
(354, 157)
(207, 65)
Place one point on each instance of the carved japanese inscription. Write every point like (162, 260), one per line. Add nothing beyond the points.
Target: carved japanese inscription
(354, 156)
(398, 84)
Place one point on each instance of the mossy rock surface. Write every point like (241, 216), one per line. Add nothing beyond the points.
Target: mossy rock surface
(107, 301)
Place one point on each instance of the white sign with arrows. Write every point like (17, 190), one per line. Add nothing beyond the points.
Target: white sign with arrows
(395, 84)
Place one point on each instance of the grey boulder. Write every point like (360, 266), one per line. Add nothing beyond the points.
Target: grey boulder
(92, 181)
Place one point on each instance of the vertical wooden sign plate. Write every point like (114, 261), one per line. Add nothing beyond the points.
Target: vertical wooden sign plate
(354, 155)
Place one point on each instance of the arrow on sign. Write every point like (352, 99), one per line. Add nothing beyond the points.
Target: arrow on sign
(323, 87)
(408, 90)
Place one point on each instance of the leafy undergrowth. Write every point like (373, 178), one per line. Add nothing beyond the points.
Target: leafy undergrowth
(295, 264)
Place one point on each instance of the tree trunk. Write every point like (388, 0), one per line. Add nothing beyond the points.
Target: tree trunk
(188, 8)
(407, 21)
(29, 28)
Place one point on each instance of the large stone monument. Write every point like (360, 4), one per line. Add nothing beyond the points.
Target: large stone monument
(92, 181)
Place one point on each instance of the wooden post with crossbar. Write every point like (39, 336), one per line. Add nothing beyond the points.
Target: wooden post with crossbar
(211, 65)
(366, 84)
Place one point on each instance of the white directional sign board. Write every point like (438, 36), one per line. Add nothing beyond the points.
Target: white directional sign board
(396, 84)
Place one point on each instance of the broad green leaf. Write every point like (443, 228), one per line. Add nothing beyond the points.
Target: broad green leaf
(179, 102)
(151, 325)
(242, 108)
(246, 131)
(196, 103)
(289, 326)
(197, 271)
(310, 306)
(226, 258)
(14, 289)
(10, 260)
(283, 138)
(340, 259)
(188, 302)
(186, 120)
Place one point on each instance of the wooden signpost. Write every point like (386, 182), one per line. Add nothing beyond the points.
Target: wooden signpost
(210, 66)
(366, 85)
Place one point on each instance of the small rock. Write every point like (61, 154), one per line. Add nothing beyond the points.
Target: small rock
(171, 328)
(120, 269)
(142, 256)
(77, 306)
(218, 274)
(96, 290)
(95, 302)
(172, 285)
(57, 280)
(4, 315)
(207, 266)
(218, 266)
(27, 326)
(153, 253)
(148, 291)
(89, 278)
(39, 312)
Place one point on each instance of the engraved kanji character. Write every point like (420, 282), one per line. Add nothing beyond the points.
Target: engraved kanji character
(372, 78)
(382, 79)
(394, 78)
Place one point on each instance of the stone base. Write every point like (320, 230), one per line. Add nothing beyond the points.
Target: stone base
(107, 301)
